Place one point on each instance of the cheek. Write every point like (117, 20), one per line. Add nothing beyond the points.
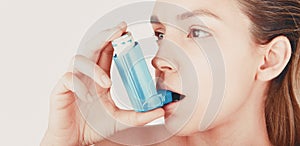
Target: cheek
(239, 60)
(196, 80)
(239, 76)
(197, 85)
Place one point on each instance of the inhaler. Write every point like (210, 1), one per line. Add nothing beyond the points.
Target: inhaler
(136, 77)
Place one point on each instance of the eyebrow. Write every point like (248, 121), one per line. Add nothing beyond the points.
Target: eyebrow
(154, 19)
(198, 12)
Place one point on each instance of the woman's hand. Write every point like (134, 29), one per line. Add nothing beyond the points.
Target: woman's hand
(87, 86)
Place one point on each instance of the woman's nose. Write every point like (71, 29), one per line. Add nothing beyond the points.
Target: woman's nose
(163, 65)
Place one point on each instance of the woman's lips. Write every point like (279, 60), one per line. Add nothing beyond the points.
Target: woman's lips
(176, 95)
(176, 98)
(170, 108)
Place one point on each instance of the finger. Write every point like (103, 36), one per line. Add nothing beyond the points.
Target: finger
(70, 83)
(62, 94)
(92, 70)
(105, 58)
(64, 85)
(62, 103)
(133, 118)
(81, 90)
(92, 48)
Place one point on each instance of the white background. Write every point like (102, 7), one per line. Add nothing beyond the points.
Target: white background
(37, 40)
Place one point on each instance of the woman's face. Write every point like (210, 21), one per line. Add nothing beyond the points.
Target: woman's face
(182, 66)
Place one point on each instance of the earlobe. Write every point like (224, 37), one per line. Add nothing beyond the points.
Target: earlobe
(275, 59)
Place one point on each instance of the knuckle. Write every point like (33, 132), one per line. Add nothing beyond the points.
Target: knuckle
(67, 77)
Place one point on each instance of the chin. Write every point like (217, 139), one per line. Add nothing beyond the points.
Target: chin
(186, 132)
(180, 128)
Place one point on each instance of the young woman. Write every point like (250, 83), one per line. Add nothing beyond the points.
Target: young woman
(260, 44)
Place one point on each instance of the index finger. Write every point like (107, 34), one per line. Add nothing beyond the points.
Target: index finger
(92, 48)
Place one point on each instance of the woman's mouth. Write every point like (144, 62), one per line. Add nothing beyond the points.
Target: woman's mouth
(172, 100)
(177, 96)
(172, 97)
(170, 108)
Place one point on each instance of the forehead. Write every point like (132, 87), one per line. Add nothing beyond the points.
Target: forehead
(225, 9)
(198, 3)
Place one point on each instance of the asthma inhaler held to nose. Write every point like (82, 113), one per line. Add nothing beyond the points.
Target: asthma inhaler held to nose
(136, 77)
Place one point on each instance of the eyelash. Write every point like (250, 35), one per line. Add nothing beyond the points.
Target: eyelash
(201, 33)
(191, 34)
(159, 35)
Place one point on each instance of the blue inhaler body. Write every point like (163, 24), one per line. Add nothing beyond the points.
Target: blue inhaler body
(136, 77)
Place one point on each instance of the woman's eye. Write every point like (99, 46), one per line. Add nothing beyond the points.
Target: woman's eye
(159, 35)
(198, 33)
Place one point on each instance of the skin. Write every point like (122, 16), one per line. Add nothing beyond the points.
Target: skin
(249, 69)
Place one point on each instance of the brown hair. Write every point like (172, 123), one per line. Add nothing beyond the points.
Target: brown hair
(272, 18)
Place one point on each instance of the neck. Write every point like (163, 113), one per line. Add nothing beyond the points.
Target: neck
(245, 127)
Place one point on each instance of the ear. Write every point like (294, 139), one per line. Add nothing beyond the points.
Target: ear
(275, 58)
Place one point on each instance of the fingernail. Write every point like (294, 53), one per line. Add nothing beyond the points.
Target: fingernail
(105, 80)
